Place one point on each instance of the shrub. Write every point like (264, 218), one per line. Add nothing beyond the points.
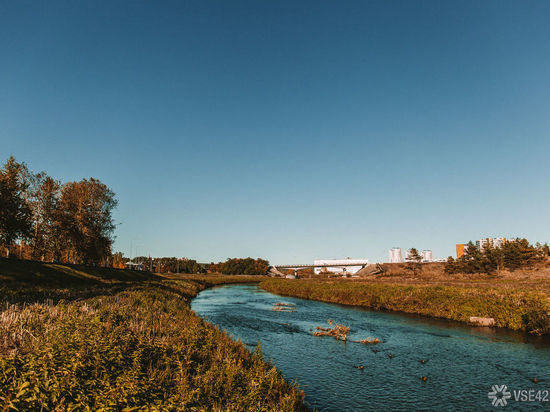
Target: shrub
(537, 321)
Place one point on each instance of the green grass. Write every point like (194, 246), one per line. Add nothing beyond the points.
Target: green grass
(29, 281)
(19, 272)
(131, 345)
(511, 308)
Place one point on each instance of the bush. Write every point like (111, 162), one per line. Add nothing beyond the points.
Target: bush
(537, 321)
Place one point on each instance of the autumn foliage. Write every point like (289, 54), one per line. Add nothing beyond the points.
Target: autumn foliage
(236, 266)
(43, 219)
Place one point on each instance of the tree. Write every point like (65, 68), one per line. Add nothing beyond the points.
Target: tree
(118, 260)
(471, 261)
(414, 260)
(512, 255)
(15, 213)
(451, 266)
(73, 220)
(46, 228)
(85, 214)
(493, 259)
(247, 266)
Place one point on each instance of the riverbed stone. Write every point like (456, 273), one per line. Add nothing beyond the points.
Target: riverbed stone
(474, 320)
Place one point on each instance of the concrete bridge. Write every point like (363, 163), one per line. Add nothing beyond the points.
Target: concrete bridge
(276, 269)
(338, 265)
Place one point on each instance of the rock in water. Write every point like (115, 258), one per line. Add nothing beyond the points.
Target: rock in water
(474, 320)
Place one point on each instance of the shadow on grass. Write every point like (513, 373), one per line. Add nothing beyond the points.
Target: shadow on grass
(59, 275)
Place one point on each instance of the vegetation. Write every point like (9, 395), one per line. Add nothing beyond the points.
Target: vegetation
(236, 266)
(161, 264)
(69, 222)
(45, 220)
(15, 213)
(414, 260)
(339, 332)
(512, 255)
(134, 345)
(511, 308)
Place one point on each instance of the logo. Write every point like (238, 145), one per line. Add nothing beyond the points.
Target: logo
(499, 395)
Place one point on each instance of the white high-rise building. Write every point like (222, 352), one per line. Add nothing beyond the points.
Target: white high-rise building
(499, 242)
(395, 255)
(496, 242)
(427, 256)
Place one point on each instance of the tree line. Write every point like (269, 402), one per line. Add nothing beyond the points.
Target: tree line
(239, 266)
(44, 219)
(512, 255)
(159, 264)
(233, 266)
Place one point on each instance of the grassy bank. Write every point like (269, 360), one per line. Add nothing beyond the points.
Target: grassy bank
(133, 343)
(511, 308)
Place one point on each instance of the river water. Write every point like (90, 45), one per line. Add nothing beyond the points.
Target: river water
(461, 363)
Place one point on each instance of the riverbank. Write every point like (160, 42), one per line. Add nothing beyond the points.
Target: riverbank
(514, 308)
(113, 339)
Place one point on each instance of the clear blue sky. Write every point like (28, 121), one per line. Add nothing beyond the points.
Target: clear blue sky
(289, 130)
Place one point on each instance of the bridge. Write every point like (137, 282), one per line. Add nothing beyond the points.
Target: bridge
(339, 265)
(275, 270)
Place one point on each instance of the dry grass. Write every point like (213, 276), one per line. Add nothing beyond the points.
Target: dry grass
(536, 278)
(517, 300)
(368, 341)
(339, 332)
(136, 346)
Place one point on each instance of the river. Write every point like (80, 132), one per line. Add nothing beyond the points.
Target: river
(462, 363)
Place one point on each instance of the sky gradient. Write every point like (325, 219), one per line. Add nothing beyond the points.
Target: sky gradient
(288, 130)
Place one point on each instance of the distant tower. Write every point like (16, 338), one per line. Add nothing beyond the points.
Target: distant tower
(395, 255)
(427, 256)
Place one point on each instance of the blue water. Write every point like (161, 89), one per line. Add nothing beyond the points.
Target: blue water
(462, 363)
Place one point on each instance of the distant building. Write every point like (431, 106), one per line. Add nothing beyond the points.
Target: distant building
(134, 266)
(499, 242)
(490, 242)
(343, 266)
(427, 256)
(395, 255)
(481, 244)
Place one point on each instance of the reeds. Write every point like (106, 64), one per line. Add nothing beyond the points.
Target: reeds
(339, 332)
